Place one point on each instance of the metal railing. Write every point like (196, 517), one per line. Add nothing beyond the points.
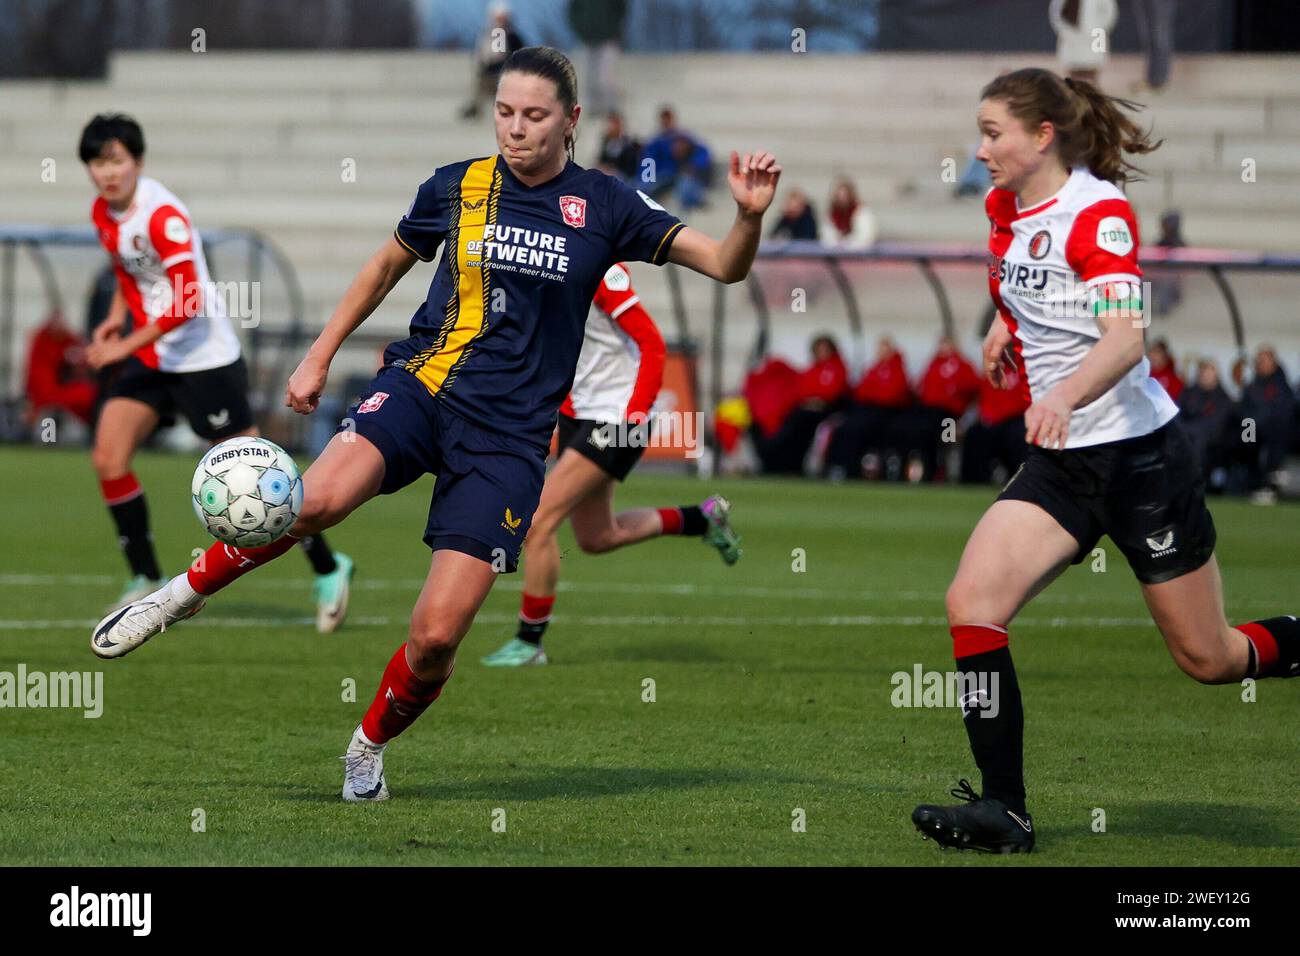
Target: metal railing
(267, 351)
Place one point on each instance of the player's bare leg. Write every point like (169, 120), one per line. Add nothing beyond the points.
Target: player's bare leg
(580, 490)
(1189, 613)
(333, 569)
(571, 481)
(124, 425)
(346, 475)
(1015, 551)
(599, 529)
(453, 592)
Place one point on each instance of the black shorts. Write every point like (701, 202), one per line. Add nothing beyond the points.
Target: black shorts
(1146, 493)
(214, 401)
(488, 483)
(614, 448)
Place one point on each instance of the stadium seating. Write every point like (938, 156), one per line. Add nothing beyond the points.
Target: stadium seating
(260, 140)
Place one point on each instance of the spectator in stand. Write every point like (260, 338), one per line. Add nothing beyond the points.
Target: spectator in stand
(997, 437)
(1209, 417)
(947, 388)
(1155, 19)
(497, 41)
(817, 392)
(1171, 230)
(1270, 403)
(58, 378)
(849, 224)
(1167, 288)
(619, 152)
(872, 426)
(1163, 369)
(797, 221)
(599, 25)
(679, 164)
(1077, 23)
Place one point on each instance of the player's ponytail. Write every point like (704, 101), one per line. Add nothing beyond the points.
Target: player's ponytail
(1092, 129)
(548, 63)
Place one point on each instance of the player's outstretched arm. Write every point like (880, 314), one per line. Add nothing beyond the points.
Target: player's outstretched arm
(375, 280)
(753, 185)
(1121, 346)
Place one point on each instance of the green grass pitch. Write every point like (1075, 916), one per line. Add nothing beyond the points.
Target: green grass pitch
(772, 692)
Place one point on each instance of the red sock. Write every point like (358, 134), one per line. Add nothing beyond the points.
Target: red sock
(1265, 645)
(671, 519)
(402, 697)
(118, 490)
(536, 610)
(223, 564)
(968, 639)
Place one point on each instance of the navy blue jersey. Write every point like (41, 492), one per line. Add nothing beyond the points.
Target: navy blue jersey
(497, 339)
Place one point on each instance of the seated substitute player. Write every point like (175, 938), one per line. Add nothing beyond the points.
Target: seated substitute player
(1106, 454)
(182, 355)
(473, 393)
(604, 428)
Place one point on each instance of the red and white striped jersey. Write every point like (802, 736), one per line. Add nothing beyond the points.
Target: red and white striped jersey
(621, 365)
(151, 244)
(1048, 264)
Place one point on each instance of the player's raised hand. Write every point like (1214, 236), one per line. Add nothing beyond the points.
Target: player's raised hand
(306, 384)
(753, 179)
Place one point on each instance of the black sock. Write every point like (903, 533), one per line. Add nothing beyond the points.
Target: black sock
(531, 633)
(319, 554)
(693, 521)
(1281, 657)
(132, 520)
(996, 725)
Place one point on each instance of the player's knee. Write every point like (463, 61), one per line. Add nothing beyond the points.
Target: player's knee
(962, 604)
(545, 525)
(597, 542)
(434, 636)
(109, 462)
(320, 510)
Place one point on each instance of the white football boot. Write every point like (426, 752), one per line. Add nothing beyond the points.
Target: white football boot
(127, 628)
(363, 771)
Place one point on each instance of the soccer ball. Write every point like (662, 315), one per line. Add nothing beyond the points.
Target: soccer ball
(247, 492)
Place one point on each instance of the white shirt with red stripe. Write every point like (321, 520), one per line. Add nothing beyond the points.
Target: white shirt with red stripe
(621, 365)
(1050, 262)
(153, 244)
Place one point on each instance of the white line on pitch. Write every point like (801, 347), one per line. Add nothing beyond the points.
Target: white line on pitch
(629, 620)
(413, 586)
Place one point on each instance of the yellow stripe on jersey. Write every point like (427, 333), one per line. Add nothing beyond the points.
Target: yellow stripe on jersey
(467, 305)
(659, 248)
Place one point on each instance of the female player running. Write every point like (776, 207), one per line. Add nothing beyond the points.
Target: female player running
(472, 394)
(181, 354)
(1106, 455)
(604, 429)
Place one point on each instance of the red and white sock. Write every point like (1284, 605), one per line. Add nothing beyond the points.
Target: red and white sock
(223, 564)
(401, 699)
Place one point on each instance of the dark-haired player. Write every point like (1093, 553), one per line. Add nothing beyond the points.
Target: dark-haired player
(1106, 455)
(180, 355)
(604, 428)
(472, 395)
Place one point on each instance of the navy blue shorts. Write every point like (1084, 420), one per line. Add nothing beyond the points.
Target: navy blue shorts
(488, 484)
